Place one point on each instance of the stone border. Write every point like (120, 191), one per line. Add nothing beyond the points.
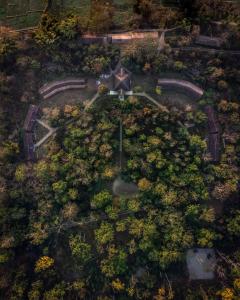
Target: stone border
(214, 134)
(50, 89)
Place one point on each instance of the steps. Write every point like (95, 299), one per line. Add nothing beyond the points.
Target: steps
(50, 89)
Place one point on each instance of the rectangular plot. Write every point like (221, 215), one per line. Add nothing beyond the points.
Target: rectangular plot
(29, 20)
(81, 8)
(24, 6)
(75, 3)
(36, 4)
(3, 9)
(16, 8)
(13, 8)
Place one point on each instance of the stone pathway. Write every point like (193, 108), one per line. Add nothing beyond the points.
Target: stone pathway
(94, 98)
(51, 130)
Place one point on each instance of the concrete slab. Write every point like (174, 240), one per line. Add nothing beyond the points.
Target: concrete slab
(201, 263)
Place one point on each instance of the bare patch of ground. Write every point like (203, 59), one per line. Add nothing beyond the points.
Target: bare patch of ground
(122, 188)
(71, 97)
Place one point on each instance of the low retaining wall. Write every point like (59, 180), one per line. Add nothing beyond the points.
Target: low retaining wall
(28, 135)
(28, 142)
(208, 41)
(213, 124)
(214, 146)
(118, 38)
(50, 89)
(182, 85)
(31, 118)
(214, 134)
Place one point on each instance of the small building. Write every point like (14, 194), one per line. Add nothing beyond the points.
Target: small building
(209, 41)
(31, 118)
(201, 263)
(121, 79)
(119, 82)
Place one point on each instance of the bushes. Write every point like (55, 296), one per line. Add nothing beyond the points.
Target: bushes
(8, 47)
(44, 263)
(53, 31)
(81, 251)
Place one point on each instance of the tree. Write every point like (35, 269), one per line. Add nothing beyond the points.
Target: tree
(101, 16)
(102, 89)
(233, 223)
(118, 285)
(21, 173)
(46, 35)
(104, 234)
(44, 263)
(79, 288)
(101, 199)
(206, 237)
(197, 144)
(81, 251)
(58, 292)
(69, 27)
(8, 47)
(36, 290)
(116, 262)
(144, 184)
(70, 211)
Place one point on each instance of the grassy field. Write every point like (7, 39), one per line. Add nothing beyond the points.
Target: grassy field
(26, 13)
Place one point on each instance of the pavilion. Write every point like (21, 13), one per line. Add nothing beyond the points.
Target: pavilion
(120, 82)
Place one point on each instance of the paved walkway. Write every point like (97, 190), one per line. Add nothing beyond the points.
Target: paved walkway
(51, 131)
(182, 84)
(94, 98)
(211, 50)
(152, 100)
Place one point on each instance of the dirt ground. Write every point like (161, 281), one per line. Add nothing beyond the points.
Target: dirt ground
(71, 96)
(121, 188)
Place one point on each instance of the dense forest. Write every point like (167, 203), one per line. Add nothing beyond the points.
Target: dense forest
(65, 232)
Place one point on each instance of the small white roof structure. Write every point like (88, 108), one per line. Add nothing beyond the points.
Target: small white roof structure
(201, 263)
